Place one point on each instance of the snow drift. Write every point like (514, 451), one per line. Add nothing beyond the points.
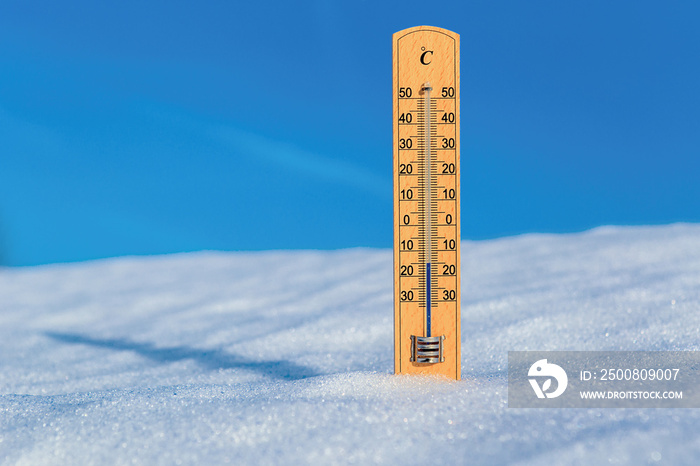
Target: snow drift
(286, 357)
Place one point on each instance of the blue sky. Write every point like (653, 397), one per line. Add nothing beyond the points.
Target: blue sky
(155, 127)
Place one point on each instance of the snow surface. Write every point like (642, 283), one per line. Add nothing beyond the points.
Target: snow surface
(286, 357)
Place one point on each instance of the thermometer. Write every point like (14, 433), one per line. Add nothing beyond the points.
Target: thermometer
(426, 202)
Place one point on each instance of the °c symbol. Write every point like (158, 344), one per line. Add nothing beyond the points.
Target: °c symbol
(424, 56)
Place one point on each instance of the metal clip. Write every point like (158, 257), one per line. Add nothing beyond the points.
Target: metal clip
(427, 349)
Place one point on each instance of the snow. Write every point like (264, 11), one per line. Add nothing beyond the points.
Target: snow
(286, 357)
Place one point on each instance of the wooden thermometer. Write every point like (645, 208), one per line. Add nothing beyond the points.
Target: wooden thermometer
(426, 202)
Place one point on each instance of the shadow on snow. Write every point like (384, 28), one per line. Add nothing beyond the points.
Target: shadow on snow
(210, 359)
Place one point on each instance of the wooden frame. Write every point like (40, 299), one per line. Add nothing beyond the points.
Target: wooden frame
(426, 128)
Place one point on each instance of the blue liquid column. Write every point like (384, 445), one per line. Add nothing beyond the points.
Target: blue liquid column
(427, 301)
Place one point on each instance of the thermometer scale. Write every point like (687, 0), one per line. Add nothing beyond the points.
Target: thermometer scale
(426, 202)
